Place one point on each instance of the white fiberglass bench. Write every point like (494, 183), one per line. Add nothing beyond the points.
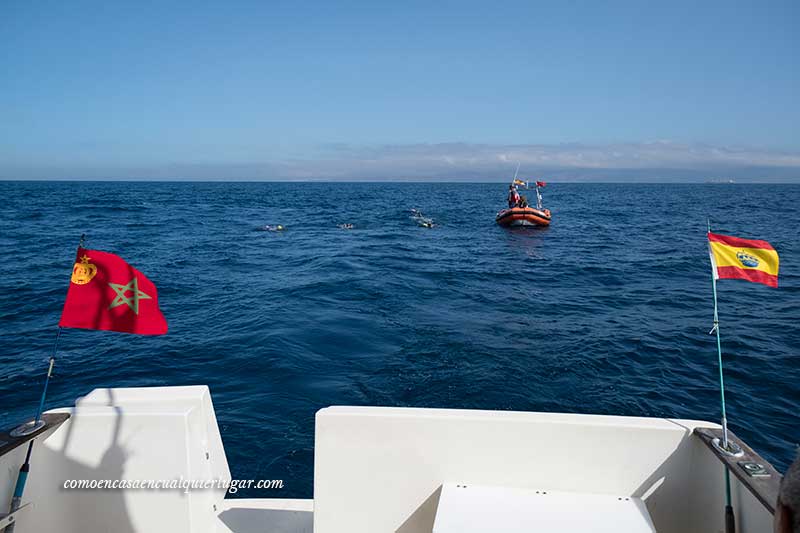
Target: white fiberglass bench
(384, 470)
(467, 508)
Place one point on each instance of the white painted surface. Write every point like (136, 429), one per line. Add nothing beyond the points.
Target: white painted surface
(476, 509)
(382, 469)
(130, 434)
(266, 515)
(376, 469)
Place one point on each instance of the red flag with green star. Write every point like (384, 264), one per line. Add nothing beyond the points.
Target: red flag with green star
(107, 293)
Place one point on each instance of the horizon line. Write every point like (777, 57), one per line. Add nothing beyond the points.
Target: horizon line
(710, 181)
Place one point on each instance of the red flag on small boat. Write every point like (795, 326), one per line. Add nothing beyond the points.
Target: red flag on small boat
(107, 293)
(540, 184)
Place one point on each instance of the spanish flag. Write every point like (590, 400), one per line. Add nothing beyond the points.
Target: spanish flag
(735, 258)
(520, 183)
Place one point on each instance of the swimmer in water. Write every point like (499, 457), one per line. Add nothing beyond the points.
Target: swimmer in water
(272, 228)
(421, 219)
(346, 226)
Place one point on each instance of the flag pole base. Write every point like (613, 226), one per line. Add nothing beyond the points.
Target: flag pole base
(27, 428)
(733, 450)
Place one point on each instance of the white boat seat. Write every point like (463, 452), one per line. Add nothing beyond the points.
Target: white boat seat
(465, 508)
(266, 515)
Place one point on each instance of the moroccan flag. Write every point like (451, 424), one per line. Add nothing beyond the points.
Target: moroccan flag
(540, 184)
(107, 293)
(735, 258)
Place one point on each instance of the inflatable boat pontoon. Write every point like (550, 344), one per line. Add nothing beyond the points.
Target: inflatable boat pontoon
(523, 216)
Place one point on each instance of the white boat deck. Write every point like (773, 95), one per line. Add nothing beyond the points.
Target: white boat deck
(475, 509)
(379, 470)
(266, 516)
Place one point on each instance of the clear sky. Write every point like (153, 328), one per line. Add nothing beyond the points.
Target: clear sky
(397, 89)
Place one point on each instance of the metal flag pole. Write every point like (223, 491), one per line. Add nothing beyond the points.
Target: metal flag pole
(27, 429)
(725, 447)
(30, 427)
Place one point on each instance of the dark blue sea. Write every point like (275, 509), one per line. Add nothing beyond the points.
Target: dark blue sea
(607, 311)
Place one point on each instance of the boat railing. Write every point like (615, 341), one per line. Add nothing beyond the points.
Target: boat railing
(11, 441)
(753, 471)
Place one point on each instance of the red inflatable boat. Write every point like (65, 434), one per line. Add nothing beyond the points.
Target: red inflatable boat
(523, 216)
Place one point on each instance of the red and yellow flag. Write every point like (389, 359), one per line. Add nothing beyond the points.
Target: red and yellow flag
(748, 259)
(107, 293)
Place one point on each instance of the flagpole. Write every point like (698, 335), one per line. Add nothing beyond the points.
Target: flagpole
(725, 447)
(29, 428)
(715, 329)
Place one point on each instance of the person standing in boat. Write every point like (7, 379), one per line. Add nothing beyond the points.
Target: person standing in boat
(513, 196)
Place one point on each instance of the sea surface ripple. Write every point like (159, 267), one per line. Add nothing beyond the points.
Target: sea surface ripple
(607, 311)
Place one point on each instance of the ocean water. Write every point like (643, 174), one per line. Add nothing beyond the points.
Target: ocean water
(607, 311)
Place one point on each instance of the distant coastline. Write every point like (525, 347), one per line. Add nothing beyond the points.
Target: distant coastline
(553, 180)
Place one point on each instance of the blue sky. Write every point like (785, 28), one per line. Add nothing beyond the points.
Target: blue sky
(268, 90)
